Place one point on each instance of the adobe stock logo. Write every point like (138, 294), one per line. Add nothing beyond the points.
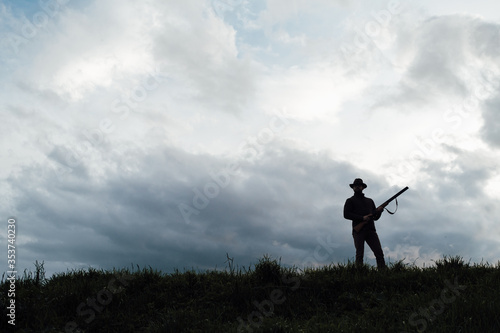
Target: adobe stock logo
(30, 29)
(119, 110)
(358, 49)
(87, 310)
(437, 306)
(278, 296)
(454, 117)
(248, 150)
(222, 6)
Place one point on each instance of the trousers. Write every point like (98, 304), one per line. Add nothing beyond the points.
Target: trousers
(371, 238)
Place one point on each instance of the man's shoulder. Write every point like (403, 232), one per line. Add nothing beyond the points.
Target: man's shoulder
(354, 197)
(369, 200)
(351, 198)
(359, 199)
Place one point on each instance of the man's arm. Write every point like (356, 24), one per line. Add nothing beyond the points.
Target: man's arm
(377, 211)
(367, 218)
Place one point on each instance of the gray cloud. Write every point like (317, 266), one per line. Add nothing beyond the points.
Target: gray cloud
(287, 203)
(278, 204)
(490, 131)
(485, 39)
(199, 52)
(450, 56)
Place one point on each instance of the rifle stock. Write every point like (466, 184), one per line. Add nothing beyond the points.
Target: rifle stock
(380, 208)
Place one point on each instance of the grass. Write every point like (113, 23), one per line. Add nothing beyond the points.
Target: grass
(452, 296)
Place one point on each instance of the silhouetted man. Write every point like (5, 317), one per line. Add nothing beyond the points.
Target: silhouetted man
(359, 208)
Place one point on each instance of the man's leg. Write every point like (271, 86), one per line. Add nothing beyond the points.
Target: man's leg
(359, 244)
(374, 243)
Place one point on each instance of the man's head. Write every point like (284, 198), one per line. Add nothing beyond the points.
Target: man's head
(358, 185)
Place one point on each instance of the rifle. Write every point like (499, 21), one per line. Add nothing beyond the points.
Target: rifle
(380, 208)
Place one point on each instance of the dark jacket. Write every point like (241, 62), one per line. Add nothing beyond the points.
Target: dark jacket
(358, 206)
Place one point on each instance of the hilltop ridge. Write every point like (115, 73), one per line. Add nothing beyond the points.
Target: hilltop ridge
(452, 296)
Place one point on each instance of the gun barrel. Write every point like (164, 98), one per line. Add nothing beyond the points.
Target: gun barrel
(395, 195)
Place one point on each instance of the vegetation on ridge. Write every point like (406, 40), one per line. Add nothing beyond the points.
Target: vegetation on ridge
(452, 296)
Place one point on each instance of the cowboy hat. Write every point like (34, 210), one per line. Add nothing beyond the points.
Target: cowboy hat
(358, 181)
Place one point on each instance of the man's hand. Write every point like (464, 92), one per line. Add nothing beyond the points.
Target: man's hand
(368, 217)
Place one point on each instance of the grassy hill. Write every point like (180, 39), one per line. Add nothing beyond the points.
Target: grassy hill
(452, 296)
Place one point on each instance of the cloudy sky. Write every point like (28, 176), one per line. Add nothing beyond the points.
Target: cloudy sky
(172, 133)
